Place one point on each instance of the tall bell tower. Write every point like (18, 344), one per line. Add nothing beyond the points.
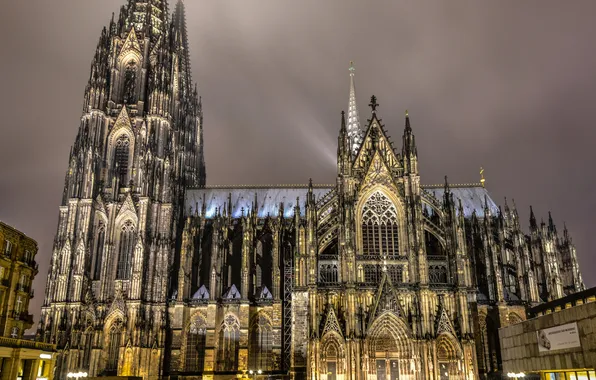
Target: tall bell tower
(138, 147)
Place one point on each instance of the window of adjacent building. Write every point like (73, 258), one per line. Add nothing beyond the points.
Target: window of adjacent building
(379, 227)
(18, 307)
(125, 251)
(7, 247)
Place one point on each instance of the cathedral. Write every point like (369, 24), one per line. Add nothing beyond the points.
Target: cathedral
(374, 276)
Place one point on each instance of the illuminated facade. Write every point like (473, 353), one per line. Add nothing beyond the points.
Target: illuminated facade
(373, 277)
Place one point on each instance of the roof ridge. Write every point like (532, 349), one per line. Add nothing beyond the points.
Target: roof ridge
(453, 185)
(318, 186)
(280, 186)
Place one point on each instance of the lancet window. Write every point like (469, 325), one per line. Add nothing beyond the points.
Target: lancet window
(88, 346)
(125, 251)
(379, 227)
(98, 249)
(261, 344)
(195, 348)
(114, 341)
(228, 344)
(121, 154)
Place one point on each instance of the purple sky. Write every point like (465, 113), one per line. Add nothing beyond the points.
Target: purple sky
(507, 85)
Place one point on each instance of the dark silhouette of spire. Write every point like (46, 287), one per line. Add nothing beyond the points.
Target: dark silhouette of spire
(533, 224)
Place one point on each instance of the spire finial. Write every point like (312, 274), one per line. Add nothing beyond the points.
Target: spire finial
(352, 68)
(407, 113)
(482, 180)
(373, 103)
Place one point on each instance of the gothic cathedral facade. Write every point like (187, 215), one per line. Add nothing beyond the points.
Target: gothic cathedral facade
(375, 276)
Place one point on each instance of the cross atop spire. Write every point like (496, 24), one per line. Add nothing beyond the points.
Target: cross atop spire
(373, 104)
(355, 134)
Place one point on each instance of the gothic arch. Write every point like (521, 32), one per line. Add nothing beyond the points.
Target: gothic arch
(121, 131)
(399, 214)
(388, 334)
(194, 337)
(114, 331)
(126, 236)
(261, 341)
(448, 349)
(228, 343)
(514, 318)
(440, 240)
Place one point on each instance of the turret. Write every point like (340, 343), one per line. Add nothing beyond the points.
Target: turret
(343, 149)
(409, 151)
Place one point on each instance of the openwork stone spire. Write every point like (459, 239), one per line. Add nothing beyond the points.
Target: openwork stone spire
(354, 131)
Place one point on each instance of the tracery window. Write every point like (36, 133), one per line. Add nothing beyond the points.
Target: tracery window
(195, 348)
(99, 243)
(261, 344)
(328, 273)
(228, 344)
(396, 273)
(379, 227)
(125, 251)
(114, 341)
(437, 274)
(121, 154)
(372, 273)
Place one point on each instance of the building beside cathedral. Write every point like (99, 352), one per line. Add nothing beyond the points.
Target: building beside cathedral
(374, 276)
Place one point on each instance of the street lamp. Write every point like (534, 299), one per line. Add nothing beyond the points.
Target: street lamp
(77, 375)
(255, 373)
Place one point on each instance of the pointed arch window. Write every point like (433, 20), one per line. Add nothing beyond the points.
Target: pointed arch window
(228, 344)
(114, 342)
(261, 344)
(98, 251)
(121, 155)
(195, 347)
(125, 251)
(379, 227)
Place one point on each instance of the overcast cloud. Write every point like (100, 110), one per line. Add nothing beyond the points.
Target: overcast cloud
(507, 85)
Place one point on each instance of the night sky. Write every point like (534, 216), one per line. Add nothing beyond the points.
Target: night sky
(507, 85)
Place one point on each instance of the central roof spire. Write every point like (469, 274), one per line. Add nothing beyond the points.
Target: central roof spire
(354, 131)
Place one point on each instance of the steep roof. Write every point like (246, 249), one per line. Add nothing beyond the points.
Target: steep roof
(271, 197)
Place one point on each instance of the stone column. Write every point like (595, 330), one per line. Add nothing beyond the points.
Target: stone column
(30, 369)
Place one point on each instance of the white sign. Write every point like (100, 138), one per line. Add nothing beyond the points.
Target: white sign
(558, 338)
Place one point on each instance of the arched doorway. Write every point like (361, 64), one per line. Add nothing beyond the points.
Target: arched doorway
(448, 357)
(333, 356)
(389, 348)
